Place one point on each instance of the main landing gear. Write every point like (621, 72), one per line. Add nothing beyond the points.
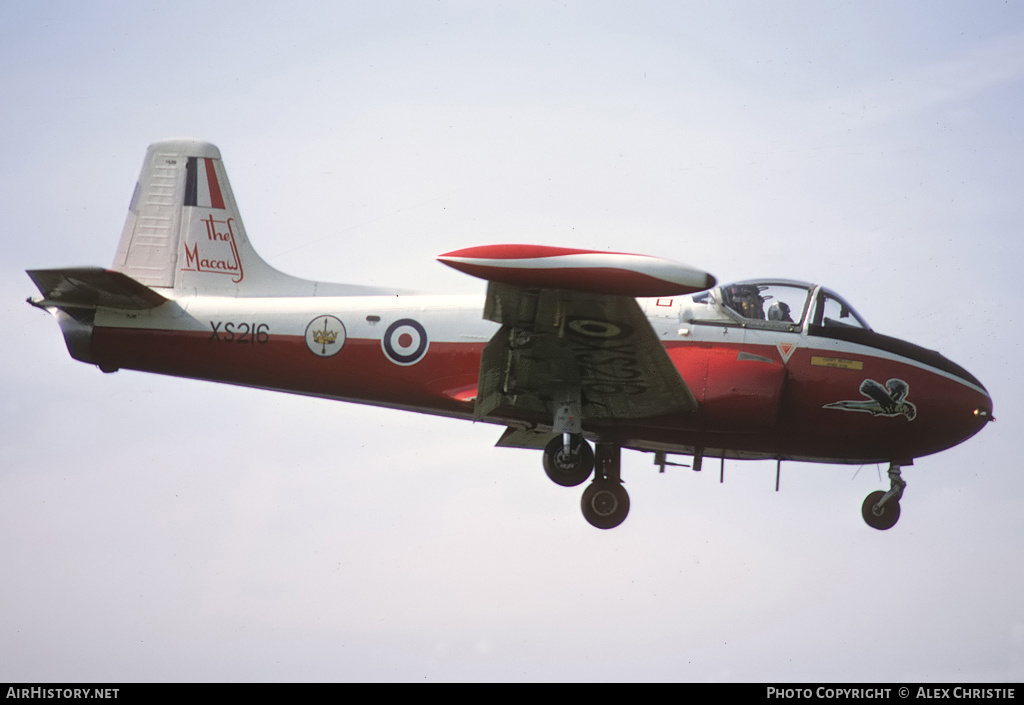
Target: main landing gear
(881, 510)
(569, 461)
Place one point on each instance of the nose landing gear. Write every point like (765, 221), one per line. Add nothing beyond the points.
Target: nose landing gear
(881, 510)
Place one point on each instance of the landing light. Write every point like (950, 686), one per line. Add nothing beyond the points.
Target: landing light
(982, 413)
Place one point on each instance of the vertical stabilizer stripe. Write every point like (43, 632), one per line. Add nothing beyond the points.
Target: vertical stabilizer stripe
(202, 188)
(190, 181)
(216, 199)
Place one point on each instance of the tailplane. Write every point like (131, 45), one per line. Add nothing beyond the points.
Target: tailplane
(184, 232)
(90, 288)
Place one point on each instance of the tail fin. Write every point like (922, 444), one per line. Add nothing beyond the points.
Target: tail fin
(184, 232)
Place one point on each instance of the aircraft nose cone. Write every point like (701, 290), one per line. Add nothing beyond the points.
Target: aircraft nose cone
(957, 407)
(983, 411)
(980, 408)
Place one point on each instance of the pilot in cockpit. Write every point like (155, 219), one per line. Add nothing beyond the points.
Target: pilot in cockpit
(746, 301)
(779, 311)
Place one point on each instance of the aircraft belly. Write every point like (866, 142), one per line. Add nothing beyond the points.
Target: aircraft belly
(360, 372)
(419, 353)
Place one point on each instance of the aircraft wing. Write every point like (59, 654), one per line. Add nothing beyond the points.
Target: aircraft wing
(553, 342)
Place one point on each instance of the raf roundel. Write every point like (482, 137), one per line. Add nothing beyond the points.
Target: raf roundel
(597, 328)
(405, 342)
(325, 336)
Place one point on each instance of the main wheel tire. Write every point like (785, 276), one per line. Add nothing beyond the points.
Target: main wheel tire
(605, 504)
(572, 469)
(885, 518)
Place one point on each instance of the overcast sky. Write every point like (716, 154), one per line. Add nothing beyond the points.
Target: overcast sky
(164, 529)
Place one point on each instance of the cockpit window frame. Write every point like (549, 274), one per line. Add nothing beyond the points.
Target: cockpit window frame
(819, 312)
(809, 321)
(738, 319)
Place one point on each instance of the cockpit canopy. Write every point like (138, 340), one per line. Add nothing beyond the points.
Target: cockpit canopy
(783, 305)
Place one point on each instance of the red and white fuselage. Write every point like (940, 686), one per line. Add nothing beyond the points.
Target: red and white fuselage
(629, 351)
(761, 393)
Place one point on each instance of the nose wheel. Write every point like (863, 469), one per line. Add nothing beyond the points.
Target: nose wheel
(881, 510)
(880, 516)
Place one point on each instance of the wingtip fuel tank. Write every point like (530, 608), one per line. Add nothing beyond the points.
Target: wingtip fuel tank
(542, 266)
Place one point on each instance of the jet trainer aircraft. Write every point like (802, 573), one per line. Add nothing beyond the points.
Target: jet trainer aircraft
(579, 353)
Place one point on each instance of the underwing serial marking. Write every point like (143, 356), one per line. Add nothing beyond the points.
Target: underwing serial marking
(607, 359)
